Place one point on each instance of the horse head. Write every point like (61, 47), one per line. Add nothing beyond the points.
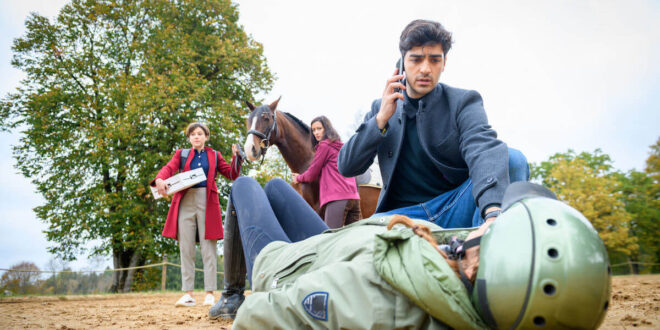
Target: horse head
(262, 129)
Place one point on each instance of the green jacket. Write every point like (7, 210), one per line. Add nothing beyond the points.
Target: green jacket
(358, 277)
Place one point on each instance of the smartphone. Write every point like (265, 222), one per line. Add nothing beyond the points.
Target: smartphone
(399, 64)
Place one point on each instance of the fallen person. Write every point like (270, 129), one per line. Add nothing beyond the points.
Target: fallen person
(542, 265)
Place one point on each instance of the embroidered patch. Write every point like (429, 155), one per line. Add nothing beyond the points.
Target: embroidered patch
(316, 305)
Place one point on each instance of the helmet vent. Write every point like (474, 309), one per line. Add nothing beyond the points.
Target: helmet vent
(549, 289)
(551, 222)
(609, 269)
(553, 253)
(539, 321)
(607, 304)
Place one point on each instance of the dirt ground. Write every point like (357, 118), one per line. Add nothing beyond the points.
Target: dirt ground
(635, 304)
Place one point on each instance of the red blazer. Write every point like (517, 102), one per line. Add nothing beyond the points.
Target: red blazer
(213, 221)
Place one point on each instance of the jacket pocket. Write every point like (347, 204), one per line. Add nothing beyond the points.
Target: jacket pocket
(293, 270)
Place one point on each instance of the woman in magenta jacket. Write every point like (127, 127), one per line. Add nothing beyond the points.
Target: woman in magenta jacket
(339, 195)
(195, 212)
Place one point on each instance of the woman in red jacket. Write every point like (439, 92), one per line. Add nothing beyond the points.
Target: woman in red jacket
(338, 194)
(195, 212)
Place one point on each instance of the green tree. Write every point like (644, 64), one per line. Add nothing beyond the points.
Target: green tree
(586, 182)
(273, 166)
(646, 208)
(641, 203)
(109, 88)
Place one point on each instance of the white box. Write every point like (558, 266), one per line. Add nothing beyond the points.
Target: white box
(181, 181)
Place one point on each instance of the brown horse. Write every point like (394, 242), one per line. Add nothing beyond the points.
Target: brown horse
(267, 126)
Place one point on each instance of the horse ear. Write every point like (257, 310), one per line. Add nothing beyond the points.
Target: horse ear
(273, 105)
(250, 105)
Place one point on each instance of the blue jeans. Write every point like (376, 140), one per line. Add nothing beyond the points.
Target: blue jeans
(275, 213)
(456, 208)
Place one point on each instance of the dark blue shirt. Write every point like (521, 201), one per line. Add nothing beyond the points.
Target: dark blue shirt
(415, 179)
(200, 159)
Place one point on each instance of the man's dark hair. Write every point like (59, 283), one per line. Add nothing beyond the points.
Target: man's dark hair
(422, 32)
(328, 131)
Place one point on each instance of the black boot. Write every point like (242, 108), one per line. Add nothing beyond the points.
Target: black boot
(227, 306)
(235, 269)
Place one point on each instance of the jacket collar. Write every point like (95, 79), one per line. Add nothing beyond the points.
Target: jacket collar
(430, 98)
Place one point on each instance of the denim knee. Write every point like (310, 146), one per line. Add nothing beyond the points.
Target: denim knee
(273, 184)
(242, 183)
(518, 166)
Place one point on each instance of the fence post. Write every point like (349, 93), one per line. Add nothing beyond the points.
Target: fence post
(164, 274)
(630, 266)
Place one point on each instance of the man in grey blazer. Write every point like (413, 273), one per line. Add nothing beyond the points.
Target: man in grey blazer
(439, 158)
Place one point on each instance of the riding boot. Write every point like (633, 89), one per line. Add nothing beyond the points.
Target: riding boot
(235, 269)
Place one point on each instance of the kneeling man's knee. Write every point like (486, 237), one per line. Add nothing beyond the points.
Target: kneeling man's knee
(518, 166)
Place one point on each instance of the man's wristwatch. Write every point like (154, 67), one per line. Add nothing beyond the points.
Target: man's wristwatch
(492, 214)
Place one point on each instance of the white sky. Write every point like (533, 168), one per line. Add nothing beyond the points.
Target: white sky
(554, 75)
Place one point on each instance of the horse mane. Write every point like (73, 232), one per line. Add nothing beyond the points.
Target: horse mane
(300, 123)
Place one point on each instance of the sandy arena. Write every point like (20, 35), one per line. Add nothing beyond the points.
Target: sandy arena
(635, 304)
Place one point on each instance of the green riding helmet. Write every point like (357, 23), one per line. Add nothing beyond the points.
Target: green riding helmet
(542, 265)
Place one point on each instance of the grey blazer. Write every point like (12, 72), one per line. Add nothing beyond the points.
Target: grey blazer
(454, 132)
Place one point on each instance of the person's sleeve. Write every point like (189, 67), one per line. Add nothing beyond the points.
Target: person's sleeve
(170, 169)
(314, 170)
(232, 171)
(359, 152)
(486, 156)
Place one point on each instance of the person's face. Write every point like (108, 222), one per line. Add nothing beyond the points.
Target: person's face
(423, 66)
(318, 130)
(198, 138)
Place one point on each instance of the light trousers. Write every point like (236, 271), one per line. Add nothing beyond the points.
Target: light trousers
(192, 214)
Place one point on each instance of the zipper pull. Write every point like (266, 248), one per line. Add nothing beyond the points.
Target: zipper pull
(274, 285)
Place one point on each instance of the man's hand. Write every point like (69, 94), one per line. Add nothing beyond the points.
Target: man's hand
(471, 262)
(162, 187)
(388, 102)
(294, 177)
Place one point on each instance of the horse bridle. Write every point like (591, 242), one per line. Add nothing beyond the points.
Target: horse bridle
(265, 138)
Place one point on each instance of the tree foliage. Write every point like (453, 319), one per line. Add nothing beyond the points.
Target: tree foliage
(642, 204)
(109, 88)
(586, 182)
(642, 198)
(273, 167)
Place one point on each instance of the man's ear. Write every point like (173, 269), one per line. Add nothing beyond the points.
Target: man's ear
(252, 107)
(444, 65)
(273, 105)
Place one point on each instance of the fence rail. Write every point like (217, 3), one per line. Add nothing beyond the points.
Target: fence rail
(101, 271)
(636, 263)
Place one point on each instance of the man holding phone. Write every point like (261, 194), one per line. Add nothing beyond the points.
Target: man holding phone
(439, 158)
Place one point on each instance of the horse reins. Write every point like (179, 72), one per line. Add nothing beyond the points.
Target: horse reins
(242, 158)
(265, 138)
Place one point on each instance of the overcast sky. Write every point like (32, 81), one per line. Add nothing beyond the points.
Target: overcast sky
(554, 75)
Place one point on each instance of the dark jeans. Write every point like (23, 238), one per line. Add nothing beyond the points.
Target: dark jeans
(256, 217)
(456, 208)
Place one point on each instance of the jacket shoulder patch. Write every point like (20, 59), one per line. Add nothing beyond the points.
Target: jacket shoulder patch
(316, 305)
